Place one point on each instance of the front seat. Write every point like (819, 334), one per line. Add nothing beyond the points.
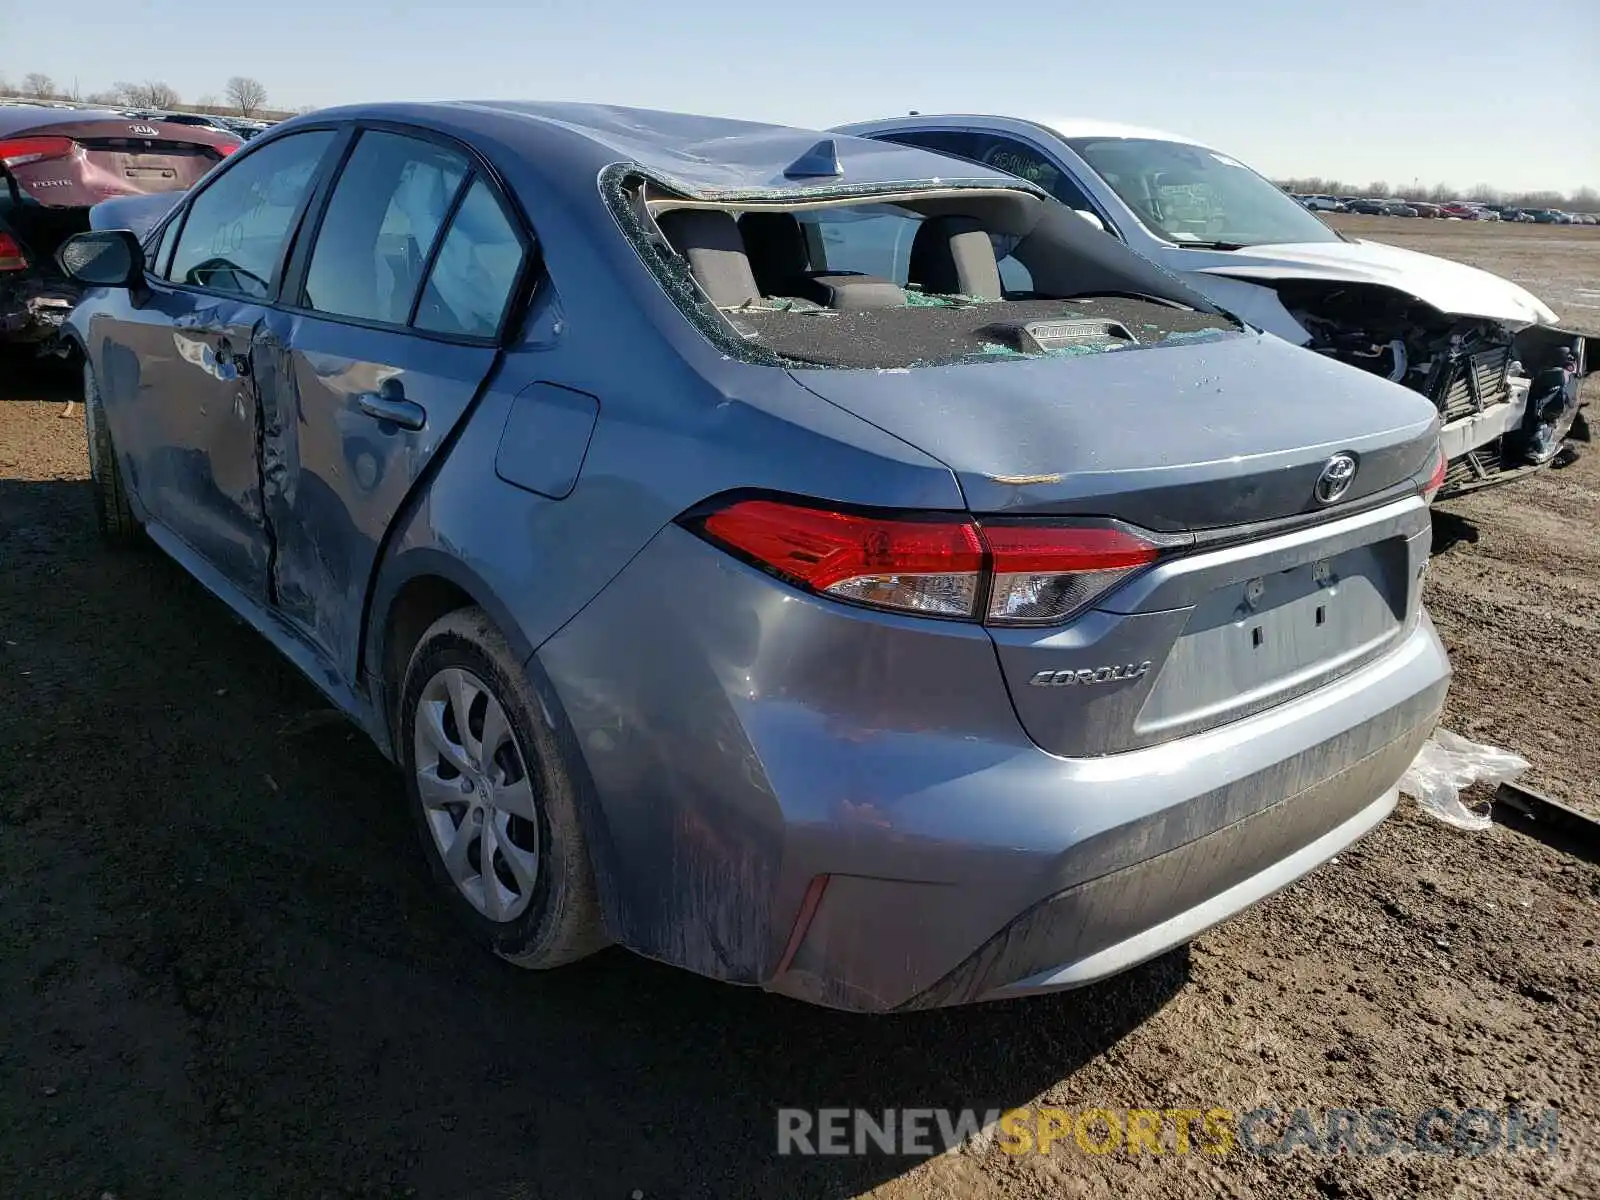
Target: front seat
(953, 256)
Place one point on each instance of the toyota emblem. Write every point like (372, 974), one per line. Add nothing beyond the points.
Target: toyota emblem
(1338, 473)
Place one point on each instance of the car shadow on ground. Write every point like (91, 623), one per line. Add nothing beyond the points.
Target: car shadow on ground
(239, 982)
(27, 375)
(1450, 530)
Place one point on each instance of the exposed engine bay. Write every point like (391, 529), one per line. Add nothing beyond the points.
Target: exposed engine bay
(1483, 376)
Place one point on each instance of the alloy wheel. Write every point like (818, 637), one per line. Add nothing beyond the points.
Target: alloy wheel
(476, 795)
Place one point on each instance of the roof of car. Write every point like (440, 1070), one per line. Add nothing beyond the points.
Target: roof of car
(1063, 127)
(712, 156)
(1090, 127)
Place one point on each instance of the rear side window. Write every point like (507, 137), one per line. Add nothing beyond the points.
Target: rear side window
(235, 232)
(476, 269)
(386, 212)
(1019, 158)
(940, 141)
(1003, 154)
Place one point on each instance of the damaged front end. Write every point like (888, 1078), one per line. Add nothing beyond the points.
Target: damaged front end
(1508, 398)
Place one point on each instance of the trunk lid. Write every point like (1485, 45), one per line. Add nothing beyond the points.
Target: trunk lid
(117, 157)
(1267, 593)
(1175, 437)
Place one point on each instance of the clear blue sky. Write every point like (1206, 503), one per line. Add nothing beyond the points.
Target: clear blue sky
(1505, 92)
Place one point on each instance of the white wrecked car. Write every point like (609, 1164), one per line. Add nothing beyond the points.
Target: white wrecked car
(1474, 343)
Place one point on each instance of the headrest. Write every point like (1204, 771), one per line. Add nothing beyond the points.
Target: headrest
(953, 256)
(709, 240)
(777, 248)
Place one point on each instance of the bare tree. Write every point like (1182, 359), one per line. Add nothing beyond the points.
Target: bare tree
(1484, 194)
(109, 99)
(152, 93)
(1379, 190)
(209, 100)
(39, 85)
(246, 94)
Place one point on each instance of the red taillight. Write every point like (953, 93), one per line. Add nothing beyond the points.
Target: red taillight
(1436, 476)
(11, 256)
(1030, 573)
(228, 148)
(917, 566)
(18, 152)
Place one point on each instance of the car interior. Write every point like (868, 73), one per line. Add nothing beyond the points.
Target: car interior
(922, 279)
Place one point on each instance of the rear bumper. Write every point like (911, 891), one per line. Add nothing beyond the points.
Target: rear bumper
(842, 808)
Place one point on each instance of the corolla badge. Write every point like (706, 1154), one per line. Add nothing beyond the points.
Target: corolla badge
(1072, 678)
(144, 130)
(1338, 473)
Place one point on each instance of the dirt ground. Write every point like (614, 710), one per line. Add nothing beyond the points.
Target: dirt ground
(222, 973)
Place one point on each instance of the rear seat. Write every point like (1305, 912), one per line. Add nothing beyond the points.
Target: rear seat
(765, 254)
(954, 256)
(709, 241)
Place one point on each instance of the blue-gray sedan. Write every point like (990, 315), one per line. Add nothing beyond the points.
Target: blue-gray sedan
(814, 562)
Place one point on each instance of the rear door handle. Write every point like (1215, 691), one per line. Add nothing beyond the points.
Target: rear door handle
(405, 413)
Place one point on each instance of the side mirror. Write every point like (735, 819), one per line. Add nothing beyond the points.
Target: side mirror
(1092, 218)
(103, 258)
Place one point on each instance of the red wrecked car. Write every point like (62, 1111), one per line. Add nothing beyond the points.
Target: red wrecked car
(55, 163)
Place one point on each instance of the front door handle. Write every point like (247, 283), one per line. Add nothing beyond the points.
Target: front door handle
(396, 408)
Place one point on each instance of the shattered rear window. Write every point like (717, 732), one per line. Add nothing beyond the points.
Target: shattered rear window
(894, 281)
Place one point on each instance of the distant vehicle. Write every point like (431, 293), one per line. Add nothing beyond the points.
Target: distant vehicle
(54, 164)
(1439, 327)
(870, 687)
(245, 127)
(1460, 210)
(1323, 204)
(1399, 208)
(1424, 209)
(1369, 206)
(200, 120)
(1519, 215)
(1549, 216)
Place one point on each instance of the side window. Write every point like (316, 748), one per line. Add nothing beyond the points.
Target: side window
(387, 208)
(235, 231)
(471, 281)
(1018, 158)
(940, 141)
(869, 240)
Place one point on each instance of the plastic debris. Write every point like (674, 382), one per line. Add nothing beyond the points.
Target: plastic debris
(1445, 765)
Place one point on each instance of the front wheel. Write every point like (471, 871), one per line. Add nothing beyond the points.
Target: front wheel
(495, 809)
(116, 520)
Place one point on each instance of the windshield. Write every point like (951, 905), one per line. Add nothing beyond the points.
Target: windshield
(1194, 196)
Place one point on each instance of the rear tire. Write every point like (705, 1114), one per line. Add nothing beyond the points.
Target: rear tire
(118, 526)
(484, 771)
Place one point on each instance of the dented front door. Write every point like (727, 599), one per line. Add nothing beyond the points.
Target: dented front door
(201, 478)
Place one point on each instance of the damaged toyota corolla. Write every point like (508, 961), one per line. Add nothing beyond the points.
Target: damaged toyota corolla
(785, 556)
(1485, 351)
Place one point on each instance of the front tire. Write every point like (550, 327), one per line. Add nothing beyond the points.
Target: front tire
(118, 527)
(495, 809)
